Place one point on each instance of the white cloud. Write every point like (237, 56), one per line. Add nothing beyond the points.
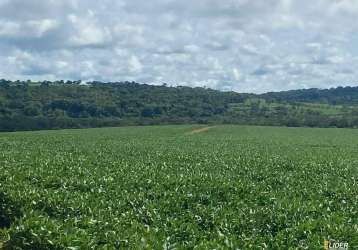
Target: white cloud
(135, 66)
(27, 29)
(39, 27)
(87, 32)
(9, 28)
(237, 45)
(237, 74)
(191, 48)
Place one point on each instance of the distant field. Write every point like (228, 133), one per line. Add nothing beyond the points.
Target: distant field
(179, 187)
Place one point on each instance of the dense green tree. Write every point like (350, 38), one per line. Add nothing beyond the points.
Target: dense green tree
(30, 105)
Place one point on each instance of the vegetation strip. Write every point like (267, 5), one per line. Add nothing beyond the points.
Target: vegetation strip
(27, 105)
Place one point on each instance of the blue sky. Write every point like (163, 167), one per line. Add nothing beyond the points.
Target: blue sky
(241, 45)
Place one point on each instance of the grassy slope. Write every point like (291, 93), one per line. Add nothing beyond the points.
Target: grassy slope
(152, 186)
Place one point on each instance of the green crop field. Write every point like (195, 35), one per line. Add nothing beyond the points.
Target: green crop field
(179, 187)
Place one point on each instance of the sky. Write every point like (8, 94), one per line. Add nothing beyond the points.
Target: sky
(236, 45)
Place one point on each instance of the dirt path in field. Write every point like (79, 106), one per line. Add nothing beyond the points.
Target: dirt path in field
(200, 130)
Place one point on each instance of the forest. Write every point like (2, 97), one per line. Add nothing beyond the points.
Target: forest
(30, 105)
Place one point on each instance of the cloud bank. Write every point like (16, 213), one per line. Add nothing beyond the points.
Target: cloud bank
(240, 45)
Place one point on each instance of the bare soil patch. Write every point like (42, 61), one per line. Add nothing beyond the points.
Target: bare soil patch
(199, 130)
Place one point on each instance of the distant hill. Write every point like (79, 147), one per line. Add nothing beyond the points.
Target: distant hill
(53, 105)
(333, 96)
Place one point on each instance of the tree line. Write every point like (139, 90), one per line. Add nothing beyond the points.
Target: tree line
(29, 105)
